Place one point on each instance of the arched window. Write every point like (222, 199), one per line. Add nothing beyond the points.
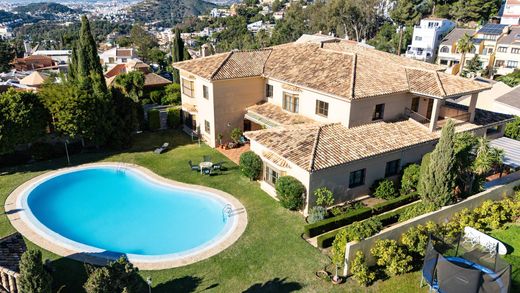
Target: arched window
(445, 49)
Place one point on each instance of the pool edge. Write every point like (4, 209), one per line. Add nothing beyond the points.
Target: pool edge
(18, 220)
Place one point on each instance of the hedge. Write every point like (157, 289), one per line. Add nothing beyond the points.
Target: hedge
(311, 230)
(392, 217)
(154, 120)
(174, 117)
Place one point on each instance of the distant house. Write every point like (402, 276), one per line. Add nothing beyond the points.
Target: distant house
(510, 12)
(427, 37)
(60, 56)
(497, 45)
(35, 79)
(152, 80)
(5, 32)
(115, 56)
(34, 62)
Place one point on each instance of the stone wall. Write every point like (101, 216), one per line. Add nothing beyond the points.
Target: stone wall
(494, 191)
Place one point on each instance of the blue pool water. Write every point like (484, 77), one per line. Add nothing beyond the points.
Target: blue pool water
(121, 211)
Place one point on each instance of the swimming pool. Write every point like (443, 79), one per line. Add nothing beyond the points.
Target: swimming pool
(109, 210)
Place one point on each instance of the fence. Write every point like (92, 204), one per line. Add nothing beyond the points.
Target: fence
(494, 192)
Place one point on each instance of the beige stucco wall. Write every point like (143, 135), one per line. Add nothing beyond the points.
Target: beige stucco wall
(440, 216)
(337, 178)
(231, 98)
(339, 109)
(362, 110)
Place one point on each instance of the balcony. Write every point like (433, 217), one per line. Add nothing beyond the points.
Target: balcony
(446, 112)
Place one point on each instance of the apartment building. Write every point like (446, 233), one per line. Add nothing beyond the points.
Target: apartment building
(497, 46)
(331, 113)
(510, 12)
(427, 37)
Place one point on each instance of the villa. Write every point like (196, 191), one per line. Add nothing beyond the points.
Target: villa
(331, 112)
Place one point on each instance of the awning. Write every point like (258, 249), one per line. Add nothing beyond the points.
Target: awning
(511, 149)
(258, 119)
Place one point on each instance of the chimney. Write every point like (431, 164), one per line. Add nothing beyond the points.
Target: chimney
(205, 50)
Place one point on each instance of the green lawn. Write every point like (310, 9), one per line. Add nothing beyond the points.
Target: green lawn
(269, 257)
(510, 236)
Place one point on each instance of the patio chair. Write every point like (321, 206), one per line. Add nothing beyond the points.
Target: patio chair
(206, 158)
(161, 149)
(193, 167)
(206, 171)
(217, 166)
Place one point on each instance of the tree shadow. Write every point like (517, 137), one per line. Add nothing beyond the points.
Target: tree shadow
(183, 284)
(275, 285)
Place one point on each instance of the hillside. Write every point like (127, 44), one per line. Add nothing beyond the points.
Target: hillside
(168, 12)
(39, 8)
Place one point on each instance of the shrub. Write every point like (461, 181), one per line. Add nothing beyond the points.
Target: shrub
(290, 192)
(42, 151)
(392, 257)
(410, 178)
(250, 165)
(118, 276)
(361, 230)
(338, 247)
(172, 94)
(360, 271)
(416, 238)
(415, 211)
(174, 117)
(33, 276)
(154, 120)
(324, 197)
(236, 134)
(155, 96)
(385, 190)
(316, 214)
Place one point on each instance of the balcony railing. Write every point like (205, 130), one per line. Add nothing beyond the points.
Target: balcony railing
(409, 113)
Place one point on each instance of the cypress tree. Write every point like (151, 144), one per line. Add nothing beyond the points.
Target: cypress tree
(73, 62)
(90, 72)
(177, 52)
(33, 276)
(438, 182)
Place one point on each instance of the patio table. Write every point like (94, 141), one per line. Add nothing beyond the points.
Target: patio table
(205, 165)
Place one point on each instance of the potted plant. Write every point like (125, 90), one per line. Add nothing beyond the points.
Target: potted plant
(236, 134)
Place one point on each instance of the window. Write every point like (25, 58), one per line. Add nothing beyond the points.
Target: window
(322, 108)
(502, 49)
(291, 102)
(445, 49)
(205, 92)
(378, 112)
(187, 87)
(357, 178)
(268, 91)
(490, 51)
(124, 60)
(417, 38)
(515, 50)
(392, 168)
(499, 63)
(512, 64)
(271, 175)
(415, 104)
(207, 127)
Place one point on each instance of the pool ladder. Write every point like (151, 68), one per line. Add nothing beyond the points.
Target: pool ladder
(121, 169)
(227, 211)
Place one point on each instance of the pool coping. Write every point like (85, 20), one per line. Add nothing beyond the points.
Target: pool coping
(21, 222)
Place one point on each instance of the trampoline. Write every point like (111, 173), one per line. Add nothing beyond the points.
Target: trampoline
(452, 268)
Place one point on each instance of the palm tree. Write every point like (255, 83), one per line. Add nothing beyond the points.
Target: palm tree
(487, 158)
(464, 45)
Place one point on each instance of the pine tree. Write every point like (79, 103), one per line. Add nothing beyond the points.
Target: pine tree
(438, 181)
(33, 276)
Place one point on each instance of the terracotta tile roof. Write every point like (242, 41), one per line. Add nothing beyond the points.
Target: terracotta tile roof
(116, 70)
(11, 249)
(152, 79)
(341, 68)
(315, 147)
(276, 116)
(124, 52)
(460, 86)
(275, 159)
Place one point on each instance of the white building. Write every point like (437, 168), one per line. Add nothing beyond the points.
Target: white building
(60, 56)
(5, 32)
(510, 12)
(427, 37)
(115, 56)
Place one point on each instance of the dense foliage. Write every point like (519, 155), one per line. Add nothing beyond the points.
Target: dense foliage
(117, 277)
(391, 257)
(416, 238)
(174, 117)
(410, 178)
(33, 276)
(324, 197)
(513, 129)
(385, 189)
(7, 54)
(290, 192)
(511, 79)
(250, 165)
(23, 119)
(130, 84)
(154, 119)
(360, 270)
